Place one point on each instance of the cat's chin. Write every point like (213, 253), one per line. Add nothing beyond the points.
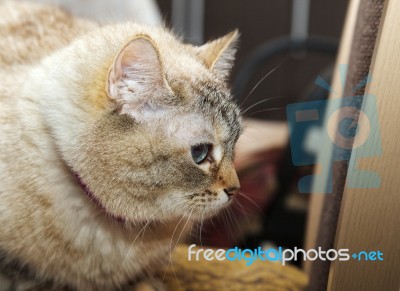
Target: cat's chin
(200, 214)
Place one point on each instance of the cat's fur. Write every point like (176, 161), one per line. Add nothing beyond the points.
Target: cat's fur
(96, 125)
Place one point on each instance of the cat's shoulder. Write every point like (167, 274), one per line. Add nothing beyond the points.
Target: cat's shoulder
(29, 32)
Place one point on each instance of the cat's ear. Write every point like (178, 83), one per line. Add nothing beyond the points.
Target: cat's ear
(136, 80)
(219, 54)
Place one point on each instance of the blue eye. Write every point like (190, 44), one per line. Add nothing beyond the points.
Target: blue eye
(200, 152)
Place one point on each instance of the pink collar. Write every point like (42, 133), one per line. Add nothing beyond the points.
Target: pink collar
(96, 201)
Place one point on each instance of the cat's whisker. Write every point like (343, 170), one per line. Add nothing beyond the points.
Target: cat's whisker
(260, 102)
(265, 110)
(237, 225)
(201, 226)
(171, 250)
(212, 221)
(242, 210)
(251, 201)
(180, 235)
(176, 227)
(234, 225)
(261, 80)
(228, 225)
(253, 132)
(233, 218)
(170, 245)
(183, 229)
(244, 213)
(172, 207)
(130, 247)
(240, 207)
(154, 218)
(194, 230)
(145, 226)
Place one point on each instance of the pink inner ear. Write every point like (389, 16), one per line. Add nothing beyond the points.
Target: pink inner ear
(136, 79)
(139, 56)
(136, 72)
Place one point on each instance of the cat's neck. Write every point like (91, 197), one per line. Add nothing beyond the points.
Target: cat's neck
(96, 201)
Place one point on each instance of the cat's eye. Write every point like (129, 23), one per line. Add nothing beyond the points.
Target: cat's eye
(200, 152)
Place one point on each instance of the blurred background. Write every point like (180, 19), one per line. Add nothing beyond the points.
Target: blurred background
(284, 46)
(259, 22)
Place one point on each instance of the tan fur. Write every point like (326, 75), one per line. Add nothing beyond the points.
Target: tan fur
(130, 148)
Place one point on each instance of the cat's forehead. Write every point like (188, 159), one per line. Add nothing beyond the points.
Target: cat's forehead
(189, 128)
(211, 112)
(215, 99)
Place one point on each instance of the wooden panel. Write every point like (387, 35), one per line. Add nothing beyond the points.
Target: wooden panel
(317, 199)
(369, 218)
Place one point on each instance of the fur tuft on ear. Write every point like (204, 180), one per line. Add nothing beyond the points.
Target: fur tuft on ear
(219, 54)
(136, 79)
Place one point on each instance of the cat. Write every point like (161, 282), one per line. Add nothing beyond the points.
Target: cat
(113, 141)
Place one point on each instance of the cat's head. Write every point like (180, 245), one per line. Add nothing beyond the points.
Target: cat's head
(165, 147)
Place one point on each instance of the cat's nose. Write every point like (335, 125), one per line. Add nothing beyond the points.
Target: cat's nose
(229, 180)
(231, 191)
